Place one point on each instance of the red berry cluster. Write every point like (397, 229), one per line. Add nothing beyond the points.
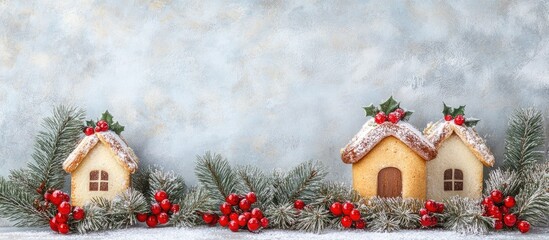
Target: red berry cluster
(236, 214)
(100, 126)
(458, 120)
(393, 117)
(349, 215)
(427, 218)
(65, 212)
(160, 210)
(497, 206)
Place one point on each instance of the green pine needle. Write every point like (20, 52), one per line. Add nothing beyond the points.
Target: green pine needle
(215, 174)
(169, 182)
(282, 216)
(464, 215)
(196, 201)
(17, 206)
(303, 182)
(254, 180)
(313, 219)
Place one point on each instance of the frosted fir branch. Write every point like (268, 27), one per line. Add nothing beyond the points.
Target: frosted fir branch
(282, 216)
(403, 212)
(303, 182)
(507, 181)
(383, 222)
(167, 181)
(254, 180)
(17, 206)
(53, 145)
(525, 137)
(533, 199)
(313, 219)
(215, 174)
(196, 201)
(140, 182)
(464, 215)
(330, 192)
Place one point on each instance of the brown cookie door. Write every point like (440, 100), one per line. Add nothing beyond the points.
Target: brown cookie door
(389, 182)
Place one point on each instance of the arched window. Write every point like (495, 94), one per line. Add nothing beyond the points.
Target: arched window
(99, 182)
(453, 180)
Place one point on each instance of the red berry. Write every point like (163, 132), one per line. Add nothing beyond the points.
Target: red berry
(498, 225)
(509, 201)
(440, 207)
(244, 204)
(504, 209)
(78, 213)
(89, 131)
(141, 217)
(487, 201)
(208, 218)
(423, 211)
(256, 213)
(61, 218)
(47, 197)
(380, 118)
(63, 228)
(347, 208)
(299, 204)
(234, 217)
(233, 199)
(336, 209)
(66, 197)
(401, 112)
(264, 222)
(104, 127)
(523, 226)
(355, 215)
(248, 215)
(496, 196)
(252, 198)
(497, 215)
(224, 221)
(448, 117)
(242, 220)
(97, 129)
(510, 220)
(425, 220)
(394, 117)
(253, 224)
(152, 221)
(431, 205)
(233, 225)
(165, 205)
(57, 197)
(53, 224)
(160, 195)
(346, 222)
(163, 218)
(492, 209)
(156, 209)
(434, 221)
(360, 224)
(64, 208)
(225, 208)
(459, 120)
(175, 208)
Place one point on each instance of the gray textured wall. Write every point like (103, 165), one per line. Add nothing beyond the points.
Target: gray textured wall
(271, 83)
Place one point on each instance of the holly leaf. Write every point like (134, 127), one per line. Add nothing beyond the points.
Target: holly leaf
(447, 110)
(389, 105)
(116, 127)
(471, 122)
(371, 110)
(459, 111)
(90, 123)
(407, 115)
(107, 117)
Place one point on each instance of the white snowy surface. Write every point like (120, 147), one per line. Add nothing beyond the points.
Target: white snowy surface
(137, 233)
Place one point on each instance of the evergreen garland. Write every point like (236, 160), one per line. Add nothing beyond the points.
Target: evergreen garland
(465, 215)
(215, 174)
(197, 200)
(313, 219)
(254, 180)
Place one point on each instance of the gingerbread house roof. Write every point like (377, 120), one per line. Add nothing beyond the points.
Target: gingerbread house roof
(118, 146)
(438, 132)
(372, 133)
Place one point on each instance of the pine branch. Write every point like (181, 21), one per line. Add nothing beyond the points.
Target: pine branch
(533, 199)
(281, 216)
(525, 138)
(215, 175)
(405, 211)
(508, 182)
(464, 215)
(140, 182)
(171, 183)
(384, 222)
(254, 180)
(17, 206)
(399, 211)
(196, 201)
(331, 192)
(303, 182)
(313, 219)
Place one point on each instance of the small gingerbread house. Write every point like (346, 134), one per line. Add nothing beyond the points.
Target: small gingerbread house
(389, 160)
(100, 166)
(458, 166)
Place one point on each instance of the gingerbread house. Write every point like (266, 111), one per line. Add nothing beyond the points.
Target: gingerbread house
(100, 166)
(460, 161)
(389, 160)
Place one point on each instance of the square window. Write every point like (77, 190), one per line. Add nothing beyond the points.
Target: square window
(104, 175)
(458, 174)
(448, 174)
(448, 186)
(94, 175)
(458, 186)
(93, 186)
(104, 186)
